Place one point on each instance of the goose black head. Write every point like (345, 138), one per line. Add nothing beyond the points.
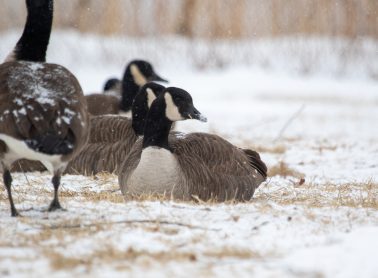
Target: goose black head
(179, 106)
(142, 103)
(137, 73)
(143, 72)
(112, 84)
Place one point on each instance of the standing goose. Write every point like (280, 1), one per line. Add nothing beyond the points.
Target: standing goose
(43, 115)
(110, 139)
(184, 166)
(137, 74)
(112, 136)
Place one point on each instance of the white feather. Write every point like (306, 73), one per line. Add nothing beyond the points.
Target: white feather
(156, 173)
(139, 78)
(150, 96)
(18, 149)
(171, 111)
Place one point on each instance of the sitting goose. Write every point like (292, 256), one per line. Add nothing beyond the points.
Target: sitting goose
(184, 166)
(137, 74)
(108, 101)
(42, 111)
(113, 87)
(112, 136)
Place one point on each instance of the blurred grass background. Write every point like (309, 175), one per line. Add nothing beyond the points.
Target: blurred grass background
(230, 19)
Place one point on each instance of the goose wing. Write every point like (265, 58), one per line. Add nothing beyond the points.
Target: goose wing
(110, 128)
(101, 104)
(101, 157)
(213, 168)
(129, 164)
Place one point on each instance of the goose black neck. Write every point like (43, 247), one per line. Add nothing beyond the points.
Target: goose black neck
(32, 45)
(157, 126)
(139, 113)
(129, 91)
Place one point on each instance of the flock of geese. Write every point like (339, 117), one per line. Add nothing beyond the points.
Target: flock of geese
(46, 123)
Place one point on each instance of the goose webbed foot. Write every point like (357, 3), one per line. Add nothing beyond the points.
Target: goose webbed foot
(7, 178)
(14, 212)
(55, 205)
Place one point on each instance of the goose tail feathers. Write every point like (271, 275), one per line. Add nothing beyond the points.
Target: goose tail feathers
(256, 162)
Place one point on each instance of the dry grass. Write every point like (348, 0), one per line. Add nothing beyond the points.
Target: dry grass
(218, 19)
(108, 195)
(283, 170)
(275, 149)
(111, 255)
(355, 195)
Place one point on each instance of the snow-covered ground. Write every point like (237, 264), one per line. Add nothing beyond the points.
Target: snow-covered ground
(316, 216)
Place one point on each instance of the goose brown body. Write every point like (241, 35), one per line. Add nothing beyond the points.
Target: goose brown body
(111, 139)
(110, 129)
(101, 104)
(209, 168)
(39, 100)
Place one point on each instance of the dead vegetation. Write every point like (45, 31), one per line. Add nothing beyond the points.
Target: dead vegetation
(282, 169)
(210, 19)
(354, 195)
(109, 254)
(113, 196)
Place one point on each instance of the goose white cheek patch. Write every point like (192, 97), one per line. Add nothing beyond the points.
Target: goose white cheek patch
(139, 78)
(150, 96)
(172, 112)
(11, 57)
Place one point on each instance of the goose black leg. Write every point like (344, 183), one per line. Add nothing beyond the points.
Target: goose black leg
(8, 182)
(55, 202)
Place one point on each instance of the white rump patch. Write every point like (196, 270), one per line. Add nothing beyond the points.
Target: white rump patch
(18, 149)
(150, 96)
(172, 112)
(139, 78)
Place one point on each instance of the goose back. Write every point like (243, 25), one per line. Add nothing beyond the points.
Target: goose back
(101, 104)
(110, 129)
(42, 105)
(100, 157)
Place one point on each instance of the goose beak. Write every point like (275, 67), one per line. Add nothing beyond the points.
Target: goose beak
(196, 115)
(156, 77)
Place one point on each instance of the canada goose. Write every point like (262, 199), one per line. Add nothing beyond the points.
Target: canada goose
(183, 166)
(43, 115)
(112, 136)
(113, 87)
(107, 102)
(137, 73)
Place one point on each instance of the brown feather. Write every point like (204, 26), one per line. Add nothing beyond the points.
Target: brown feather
(101, 104)
(38, 99)
(110, 129)
(110, 140)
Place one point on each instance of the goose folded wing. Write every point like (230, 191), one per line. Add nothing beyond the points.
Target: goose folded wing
(214, 168)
